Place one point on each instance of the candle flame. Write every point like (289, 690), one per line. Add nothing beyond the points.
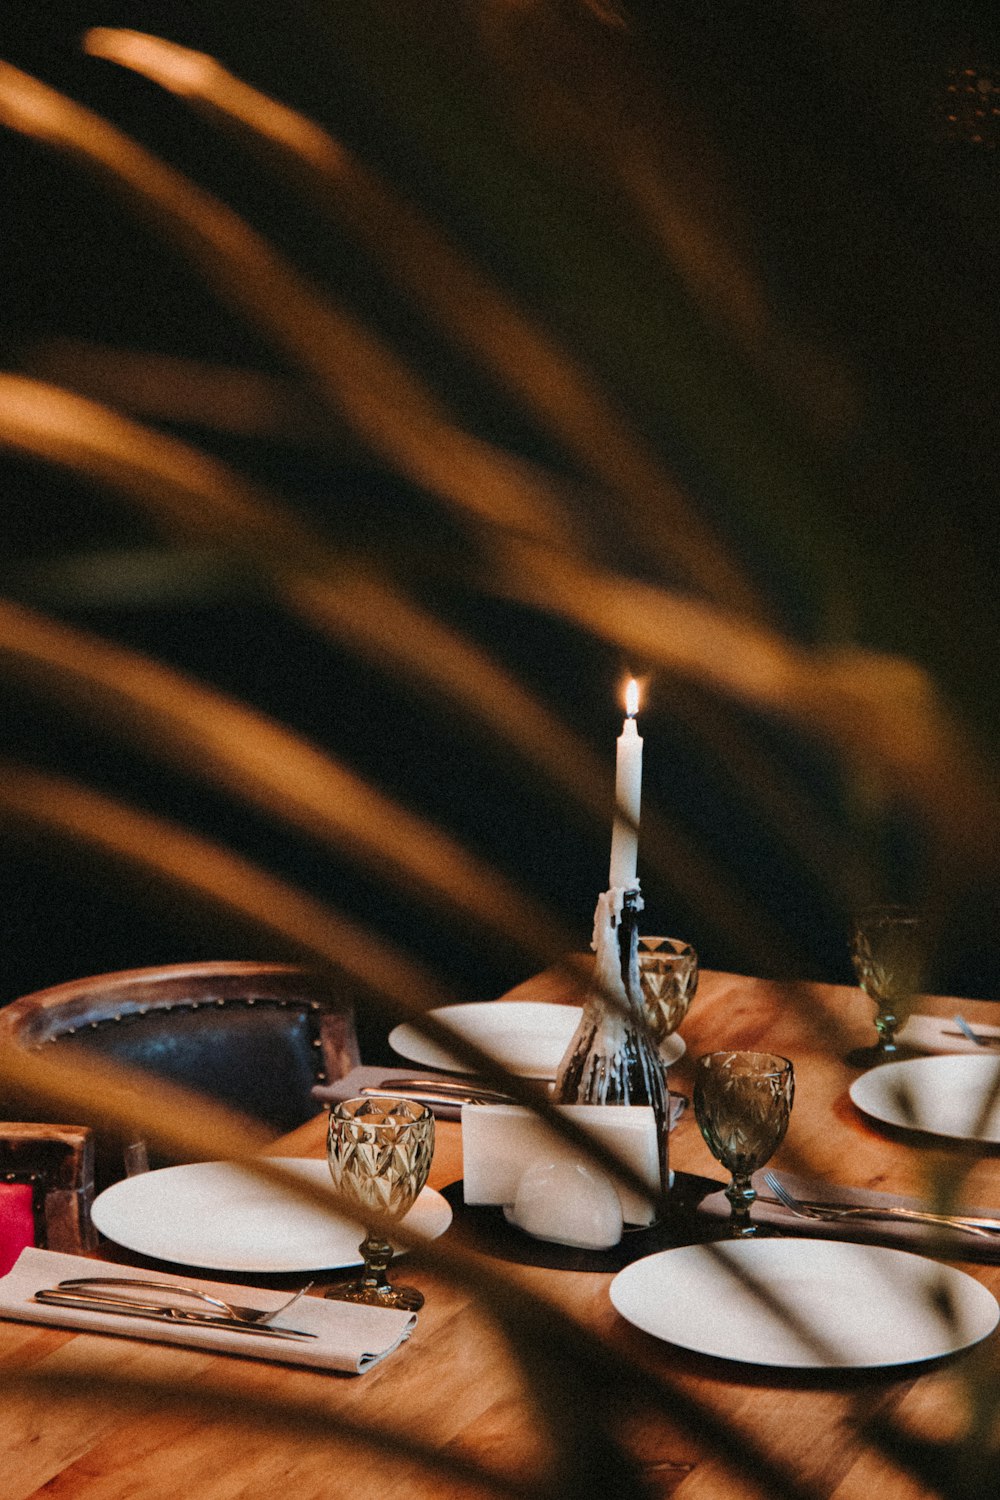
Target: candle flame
(632, 698)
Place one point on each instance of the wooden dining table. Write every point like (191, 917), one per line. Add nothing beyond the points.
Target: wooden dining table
(457, 1385)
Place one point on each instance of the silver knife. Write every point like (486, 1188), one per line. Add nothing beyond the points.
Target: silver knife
(159, 1313)
(981, 1038)
(816, 1208)
(424, 1092)
(448, 1085)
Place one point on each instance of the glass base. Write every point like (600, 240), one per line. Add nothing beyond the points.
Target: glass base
(405, 1297)
(751, 1231)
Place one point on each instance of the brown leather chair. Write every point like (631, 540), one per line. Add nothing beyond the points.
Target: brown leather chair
(257, 1036)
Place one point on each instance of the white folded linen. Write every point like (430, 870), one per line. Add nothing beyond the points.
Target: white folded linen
(923, 1033)
(350, 1337)
(501, 1141)
(900, 1232)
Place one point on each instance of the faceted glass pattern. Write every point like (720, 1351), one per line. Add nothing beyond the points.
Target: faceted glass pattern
(887, 950)
(668, 974)
(380, 1152)
(742, 1102)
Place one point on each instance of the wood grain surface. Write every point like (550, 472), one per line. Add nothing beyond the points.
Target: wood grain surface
(456, 1384)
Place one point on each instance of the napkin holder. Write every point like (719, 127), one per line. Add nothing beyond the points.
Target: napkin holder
(501, 1141)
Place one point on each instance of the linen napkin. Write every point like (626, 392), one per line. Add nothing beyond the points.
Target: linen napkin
(906, 1236)
(923, 1033)
(350, 1337)
(368, 1077)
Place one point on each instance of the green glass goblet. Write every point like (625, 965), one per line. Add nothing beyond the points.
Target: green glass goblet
(379, 1151)
(742, 1102)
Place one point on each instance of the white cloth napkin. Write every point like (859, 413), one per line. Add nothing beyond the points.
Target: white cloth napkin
(350, 1337)
(368, 1077)
(907, 1236)
(940, 1034)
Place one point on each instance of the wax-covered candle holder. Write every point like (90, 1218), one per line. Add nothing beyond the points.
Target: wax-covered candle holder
(612, 1059)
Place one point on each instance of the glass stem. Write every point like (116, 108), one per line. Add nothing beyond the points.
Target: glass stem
(885, 1025)
(741, 1198)
(377, 1255)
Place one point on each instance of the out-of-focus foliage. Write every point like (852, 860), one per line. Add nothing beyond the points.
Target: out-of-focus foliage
(411, 373)
(758, 253)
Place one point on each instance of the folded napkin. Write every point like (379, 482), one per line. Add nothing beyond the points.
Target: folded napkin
(905, 1235)
(373, 1078)
(350, 1337)
(940, 1034)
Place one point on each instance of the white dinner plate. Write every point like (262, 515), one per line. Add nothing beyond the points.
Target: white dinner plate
(214, 1215)
(528, 1037)
(939, 1095)
(864, 1306)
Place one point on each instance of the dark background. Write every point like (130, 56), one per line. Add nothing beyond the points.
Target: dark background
(874, 224)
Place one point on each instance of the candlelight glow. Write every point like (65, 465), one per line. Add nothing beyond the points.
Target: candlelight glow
(632, 698)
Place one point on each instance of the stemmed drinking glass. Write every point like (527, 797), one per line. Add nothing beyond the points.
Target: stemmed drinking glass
(887, 953)
(668, 975)
(742, 1101)
(379, 1151)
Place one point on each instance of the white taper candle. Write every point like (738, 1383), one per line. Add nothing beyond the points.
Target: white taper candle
(628, 796)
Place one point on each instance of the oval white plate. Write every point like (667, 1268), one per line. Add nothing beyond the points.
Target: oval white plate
(528, 1037)
(865, 1306)
(946, 1094)
(213, 1215)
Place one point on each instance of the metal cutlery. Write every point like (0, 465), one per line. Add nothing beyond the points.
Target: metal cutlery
(452, 1084)
(163, 1313)
(256, 1316)
(425, 1091)
(979, 1037)
(834, 1212)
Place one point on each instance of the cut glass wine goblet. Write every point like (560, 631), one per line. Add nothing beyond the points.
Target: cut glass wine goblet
(742, 1102)
(379, 1151)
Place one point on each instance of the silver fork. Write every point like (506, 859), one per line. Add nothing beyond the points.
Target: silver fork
(239, 1314)
(833, 1212)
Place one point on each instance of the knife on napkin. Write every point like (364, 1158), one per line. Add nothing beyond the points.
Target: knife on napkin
(161, 1313)
(444, 1094)
(869, 1226)
(345, 1337)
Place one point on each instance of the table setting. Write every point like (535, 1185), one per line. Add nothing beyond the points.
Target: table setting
(67, 1291)
(775, 1232)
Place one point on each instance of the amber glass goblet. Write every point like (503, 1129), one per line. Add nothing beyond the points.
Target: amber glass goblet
(887, 950)
(668, 976)
(742, 1102)
(379, 1151)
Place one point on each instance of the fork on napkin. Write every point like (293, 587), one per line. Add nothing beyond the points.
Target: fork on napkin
(444, 1095)
(923, 1033)
(341, 1336)
(906, 1235)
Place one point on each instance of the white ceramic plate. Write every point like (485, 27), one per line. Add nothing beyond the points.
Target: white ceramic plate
(213, 1215)
(940, 1034)
(946, 1094)
(527, 1037)
(865, 1306)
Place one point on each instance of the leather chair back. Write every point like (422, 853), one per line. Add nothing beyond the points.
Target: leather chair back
(257, 1036)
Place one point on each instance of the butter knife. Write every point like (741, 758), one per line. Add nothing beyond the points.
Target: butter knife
(160, 1313)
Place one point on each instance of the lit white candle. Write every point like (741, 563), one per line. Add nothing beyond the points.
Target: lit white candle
(628, 794)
